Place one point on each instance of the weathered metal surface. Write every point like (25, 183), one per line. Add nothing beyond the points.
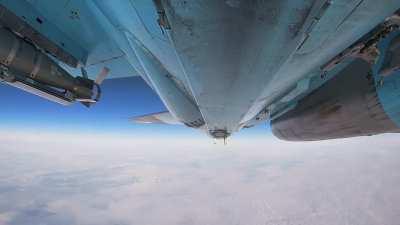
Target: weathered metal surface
(346, 106)
(388, 83)
(237, 61)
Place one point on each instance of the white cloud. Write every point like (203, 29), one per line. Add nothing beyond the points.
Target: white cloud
(106, 179)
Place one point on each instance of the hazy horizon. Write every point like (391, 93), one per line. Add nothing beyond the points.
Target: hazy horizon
(78, 178)
(73, 165)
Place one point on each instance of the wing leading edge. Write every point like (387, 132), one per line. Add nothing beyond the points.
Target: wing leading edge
(157, 118)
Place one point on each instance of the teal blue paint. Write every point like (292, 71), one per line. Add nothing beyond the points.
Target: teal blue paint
(87, 35)
(315, 81)
(42, 24)
(388, 87)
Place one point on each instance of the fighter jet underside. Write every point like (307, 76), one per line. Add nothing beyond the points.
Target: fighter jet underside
(316, 69)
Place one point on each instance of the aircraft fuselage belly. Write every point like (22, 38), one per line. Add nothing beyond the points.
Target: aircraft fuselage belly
(231, 61)
(239, 56)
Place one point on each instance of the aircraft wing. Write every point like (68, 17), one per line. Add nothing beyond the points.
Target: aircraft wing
(157, 118)
(317, 69)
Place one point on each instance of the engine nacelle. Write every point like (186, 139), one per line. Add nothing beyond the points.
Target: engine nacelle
(361, 100)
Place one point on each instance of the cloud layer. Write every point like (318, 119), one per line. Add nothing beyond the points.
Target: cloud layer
(85, 179)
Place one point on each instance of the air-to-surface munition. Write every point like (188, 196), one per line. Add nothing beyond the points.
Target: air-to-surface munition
(315, 69)
(26, 65)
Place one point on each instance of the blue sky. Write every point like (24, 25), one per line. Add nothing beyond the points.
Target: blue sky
(91, 166)
(121, 100)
